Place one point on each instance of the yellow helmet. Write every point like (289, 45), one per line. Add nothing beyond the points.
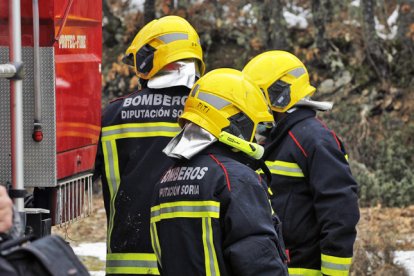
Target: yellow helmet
(282, 77)
(229, 105)
(163, 41)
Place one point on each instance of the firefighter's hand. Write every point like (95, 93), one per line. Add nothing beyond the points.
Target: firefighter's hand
(6, 211)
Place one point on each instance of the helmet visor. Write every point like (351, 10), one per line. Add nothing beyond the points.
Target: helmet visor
(129, 60)
(279, 94)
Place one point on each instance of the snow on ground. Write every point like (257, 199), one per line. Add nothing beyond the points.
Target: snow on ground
(97, 250)
(295, 20)
(138, 4)
(391, 32)
(296, 16)
(97, 273)
(406, 260)
(355, 3)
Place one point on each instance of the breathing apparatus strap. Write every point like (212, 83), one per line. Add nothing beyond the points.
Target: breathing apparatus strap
(267, 174)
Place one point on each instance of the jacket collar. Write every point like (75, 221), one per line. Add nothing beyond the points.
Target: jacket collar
(221, 149)
(283, 126)
(287, 122)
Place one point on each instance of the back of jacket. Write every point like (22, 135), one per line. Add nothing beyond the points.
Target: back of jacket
(314, 194)
(210, 216)
(135, 130)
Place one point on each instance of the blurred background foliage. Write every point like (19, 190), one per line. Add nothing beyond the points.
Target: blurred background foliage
(359, 55)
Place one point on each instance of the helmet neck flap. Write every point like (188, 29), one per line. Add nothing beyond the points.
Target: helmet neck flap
(179, 73)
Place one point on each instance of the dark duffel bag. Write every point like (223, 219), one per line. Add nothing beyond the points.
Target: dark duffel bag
(49, 256)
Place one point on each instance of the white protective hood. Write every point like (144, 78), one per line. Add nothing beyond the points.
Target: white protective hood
(183, 72)
(322, 106)
(191, 140)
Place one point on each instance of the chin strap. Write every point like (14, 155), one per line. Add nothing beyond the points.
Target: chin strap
(265, 173)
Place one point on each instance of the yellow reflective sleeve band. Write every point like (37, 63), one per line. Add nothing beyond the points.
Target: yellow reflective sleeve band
(111, 166)
(110, 153)
(155, 242)
(185, 209)
(336, 266)
(211, 264)
(304, 272)
(284, 168)
(346, 157)
(131, 263)
(140, 130)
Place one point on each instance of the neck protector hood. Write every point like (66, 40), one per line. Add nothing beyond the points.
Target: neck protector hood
(191, 140)
(179, 73)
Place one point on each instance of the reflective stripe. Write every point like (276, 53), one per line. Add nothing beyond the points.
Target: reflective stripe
(297, 72)
(213, 100)
(284, 168)
(346, 157)
(155, 242)
(195, 89)
(206, 210)
(185, 209)
(109, 136)
(269, 191)
(140, 130)
(131, 263)
(111, 166)
(335, 265)
(168, 38)
(210, 257)
(112, 175)
(304, 272)
(271, 208)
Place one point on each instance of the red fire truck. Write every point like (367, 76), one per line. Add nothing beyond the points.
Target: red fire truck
(50, 107)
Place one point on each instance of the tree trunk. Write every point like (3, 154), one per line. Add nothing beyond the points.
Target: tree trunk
(405, 43)
(370, 35)
(405, 20)
(112, 26)
(274, 31)
(149, 11)
(375, 53)
(321, 14)
(183, 4)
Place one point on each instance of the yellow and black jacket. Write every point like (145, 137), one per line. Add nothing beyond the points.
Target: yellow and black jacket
(210, 215)
(135, 130)
(314, 194)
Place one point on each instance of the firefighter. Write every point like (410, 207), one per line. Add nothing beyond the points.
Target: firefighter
(313, 190)
(168, 59)
(210, 214)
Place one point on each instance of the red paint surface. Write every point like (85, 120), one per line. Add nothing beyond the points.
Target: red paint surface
(77, 160)
(77, 74)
